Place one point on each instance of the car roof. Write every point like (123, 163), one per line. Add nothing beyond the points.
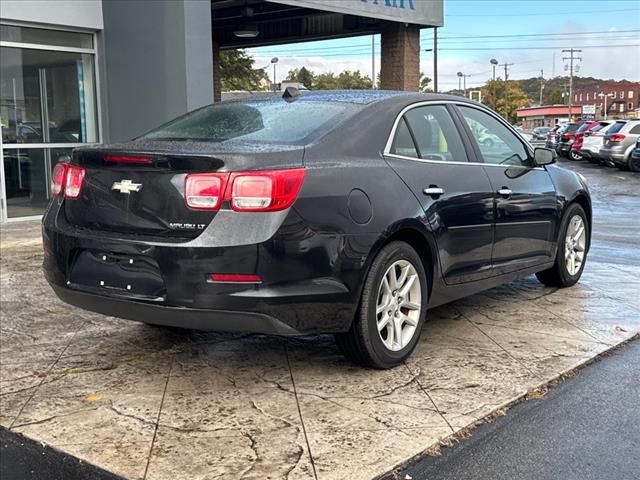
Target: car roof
(361, 97)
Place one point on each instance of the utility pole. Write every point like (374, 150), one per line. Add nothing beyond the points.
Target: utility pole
(541, 85)
(435, 60)
(506, 92)
(373, 62)
(571, 59)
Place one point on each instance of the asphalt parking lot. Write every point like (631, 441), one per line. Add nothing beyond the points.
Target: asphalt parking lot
(158, 403)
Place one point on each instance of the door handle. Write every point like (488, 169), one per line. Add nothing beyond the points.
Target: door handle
(433, 191)
(505, 192)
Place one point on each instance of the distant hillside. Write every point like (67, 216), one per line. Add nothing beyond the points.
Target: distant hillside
(554, 87)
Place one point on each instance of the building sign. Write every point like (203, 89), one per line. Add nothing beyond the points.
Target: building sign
(417, 12)
(588, 112)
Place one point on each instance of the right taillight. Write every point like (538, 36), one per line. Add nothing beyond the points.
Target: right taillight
(255, 191)
(616, 137)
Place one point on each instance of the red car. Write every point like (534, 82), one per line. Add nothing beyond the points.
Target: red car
(576, 146)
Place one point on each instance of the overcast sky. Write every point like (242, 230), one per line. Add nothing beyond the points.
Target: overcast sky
(608, 31)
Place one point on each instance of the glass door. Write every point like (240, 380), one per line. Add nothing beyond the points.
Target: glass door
(47, 107)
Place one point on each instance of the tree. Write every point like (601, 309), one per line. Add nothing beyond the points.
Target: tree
(493, 94)
(237, 72)
(555, 98)
(349, 80)
(424, 84)
(303, 76)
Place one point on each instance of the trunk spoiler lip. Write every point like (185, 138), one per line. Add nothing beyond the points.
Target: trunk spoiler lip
(230, 159)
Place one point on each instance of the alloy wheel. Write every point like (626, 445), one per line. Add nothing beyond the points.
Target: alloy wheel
(575, 245)
(398, 305)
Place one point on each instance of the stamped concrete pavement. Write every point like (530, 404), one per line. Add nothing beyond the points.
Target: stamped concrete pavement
(158, 403)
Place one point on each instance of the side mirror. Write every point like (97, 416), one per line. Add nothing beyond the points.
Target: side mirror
(544, 156)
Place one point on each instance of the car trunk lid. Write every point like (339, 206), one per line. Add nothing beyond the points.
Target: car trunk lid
(137, 188)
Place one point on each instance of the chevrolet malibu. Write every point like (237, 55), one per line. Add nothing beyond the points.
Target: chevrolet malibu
(348, 213)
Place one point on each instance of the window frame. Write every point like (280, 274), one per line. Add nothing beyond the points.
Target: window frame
(458, 128)
(448, 104)
(474, 156)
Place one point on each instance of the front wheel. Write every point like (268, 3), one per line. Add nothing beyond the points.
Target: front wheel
(391, 312)
(572, 250)
(634, 163)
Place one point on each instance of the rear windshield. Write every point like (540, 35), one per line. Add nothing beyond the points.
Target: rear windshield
(616, 127)
(255, 121)
(583, 127)
(599, 127)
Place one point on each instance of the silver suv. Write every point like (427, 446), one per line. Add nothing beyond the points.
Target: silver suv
(592, 142)
(617, 147)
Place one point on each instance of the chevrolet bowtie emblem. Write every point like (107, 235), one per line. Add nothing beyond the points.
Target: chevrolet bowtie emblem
(126, 186)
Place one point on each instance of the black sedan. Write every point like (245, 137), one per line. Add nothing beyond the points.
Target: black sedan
(329, 212)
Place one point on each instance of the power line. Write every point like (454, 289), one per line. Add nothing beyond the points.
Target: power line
(572, 12)
(543, 48)
(534, 34)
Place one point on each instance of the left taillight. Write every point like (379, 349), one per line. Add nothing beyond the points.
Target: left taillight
(58, 178)
(265, 191)
(67, 180)
(204, 191)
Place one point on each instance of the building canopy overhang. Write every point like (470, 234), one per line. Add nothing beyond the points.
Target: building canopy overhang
(289, 21)
(548, 110)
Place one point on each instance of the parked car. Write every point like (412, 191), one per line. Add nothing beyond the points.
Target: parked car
(285, 216)
(566, 138)
(552, 138)
(592, 143)
(617, 146)
(634, 161)
(540, 133)
(574, 153)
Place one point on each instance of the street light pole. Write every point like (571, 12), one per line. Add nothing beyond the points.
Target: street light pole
(601, 95)
(493, 63)
(274, 60)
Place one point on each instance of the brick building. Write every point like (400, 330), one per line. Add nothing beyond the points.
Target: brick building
(623, 98)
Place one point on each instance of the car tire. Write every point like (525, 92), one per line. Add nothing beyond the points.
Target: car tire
(367, 344)
(634, 164)
(575, 156)
(563, 273)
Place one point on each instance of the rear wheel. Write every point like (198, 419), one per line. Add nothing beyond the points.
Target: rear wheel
(572, 250)
(634, 163)
(391, 312)
(573, 155)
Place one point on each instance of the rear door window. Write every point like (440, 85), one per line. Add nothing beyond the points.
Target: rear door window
(436, 136)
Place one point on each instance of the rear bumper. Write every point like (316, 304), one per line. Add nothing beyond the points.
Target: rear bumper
(218, 320)
(302, 291)
(614, 155)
